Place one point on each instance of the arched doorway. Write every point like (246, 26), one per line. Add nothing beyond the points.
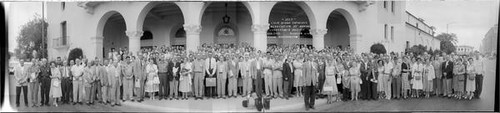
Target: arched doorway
(341, 28)
(338, 31)
(289, 25)
(113, 33)
(226, 23)
(163, 20)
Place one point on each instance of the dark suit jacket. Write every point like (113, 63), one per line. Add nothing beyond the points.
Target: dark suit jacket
(448, 69)
(365, 73)
(44, 73)
(287, 72)
(177, 75)
(170, 74)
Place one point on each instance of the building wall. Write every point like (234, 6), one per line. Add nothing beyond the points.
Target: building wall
(417, 32)
(490, 41)
(365, 24)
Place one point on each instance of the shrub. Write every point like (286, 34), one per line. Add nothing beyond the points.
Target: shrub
(378, 48)
(75, 53)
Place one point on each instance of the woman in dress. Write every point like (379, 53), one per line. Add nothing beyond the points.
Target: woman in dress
(185, 78)
(416, 71)
(471, 81)
(330, 86)
(298, 75)
(460, 71)
(151, 83)
(405, 73)
(380, 79)
(429, 76)
(354, 74)
(55, 87)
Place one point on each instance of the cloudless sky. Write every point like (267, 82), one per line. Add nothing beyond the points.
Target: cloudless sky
(469, 19)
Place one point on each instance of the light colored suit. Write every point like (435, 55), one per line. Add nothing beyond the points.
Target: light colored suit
(232, 76)
(222, 70)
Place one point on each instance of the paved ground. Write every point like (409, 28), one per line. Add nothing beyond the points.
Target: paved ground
(486, 103)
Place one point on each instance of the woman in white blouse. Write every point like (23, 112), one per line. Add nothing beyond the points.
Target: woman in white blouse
(151, 83)
(185, 78)
(417, 70)
(471, 81)
(429, 75)
(55, 87)
(299, 78)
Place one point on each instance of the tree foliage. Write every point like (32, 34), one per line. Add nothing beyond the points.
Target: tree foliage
(452, 37)
(30, 39)
(418, 49)
(378, 48)
(447, 47)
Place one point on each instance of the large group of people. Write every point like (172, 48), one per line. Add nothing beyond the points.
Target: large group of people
(226, 71)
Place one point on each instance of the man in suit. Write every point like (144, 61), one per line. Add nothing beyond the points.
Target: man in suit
(21, 77)
(114, 72)
(365, 74)
(170, 77)
(256, 69)
(311, 80)
(448, 76)
(244, 67)
(45, 79)
(287, 74)
(198, 69)
(104, 81)
(373, 78)
(232, 76)
(210, 70)
(162, 74)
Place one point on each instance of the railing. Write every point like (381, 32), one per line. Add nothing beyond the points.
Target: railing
(60, 42)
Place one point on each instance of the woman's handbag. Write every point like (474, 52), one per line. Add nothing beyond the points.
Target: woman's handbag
(156, 80)
(472, 76)
(56, 83)
(418, 77)
(461, 77)
(211, 81)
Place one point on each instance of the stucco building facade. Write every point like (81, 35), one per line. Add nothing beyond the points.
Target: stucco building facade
(96, 27)
(489, 44)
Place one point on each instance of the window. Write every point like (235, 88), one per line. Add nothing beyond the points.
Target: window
(385, 4)
(147, 35)
(63, 33)
(385, 31)
(63, 5)
(181, 33)
(392, 33)
(393, 4)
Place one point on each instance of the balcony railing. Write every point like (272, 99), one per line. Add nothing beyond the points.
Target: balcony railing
(61, 42)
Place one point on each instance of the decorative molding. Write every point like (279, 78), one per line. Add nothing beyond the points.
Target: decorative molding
(192, 29)
(319, 31)
(260, 28)
(134, 34)
(89, 6)
(363, 5)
